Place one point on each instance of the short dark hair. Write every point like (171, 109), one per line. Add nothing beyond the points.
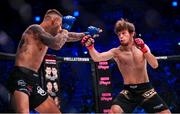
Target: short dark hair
(123, 24)
(53, 11)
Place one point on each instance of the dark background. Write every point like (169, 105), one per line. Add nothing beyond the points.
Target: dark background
(157, 22)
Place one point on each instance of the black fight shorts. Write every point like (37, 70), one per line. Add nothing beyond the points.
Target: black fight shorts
(27, 81)
(142, 95)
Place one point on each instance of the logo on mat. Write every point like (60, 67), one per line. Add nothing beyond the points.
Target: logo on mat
(21, 83)
(41, 91)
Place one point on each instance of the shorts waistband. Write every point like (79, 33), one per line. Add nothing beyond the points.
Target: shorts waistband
(138, 86)
(26, 71)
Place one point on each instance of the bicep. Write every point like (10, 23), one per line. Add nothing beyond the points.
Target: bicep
(104, 56)
(47, 39)
(44, 36)
(151, 59)
(107, 54)
(41, 33)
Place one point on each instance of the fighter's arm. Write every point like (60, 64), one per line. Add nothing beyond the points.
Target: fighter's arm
(104, 56)
(52, 42)
(73, 36)
(151, 59)
(96, 56)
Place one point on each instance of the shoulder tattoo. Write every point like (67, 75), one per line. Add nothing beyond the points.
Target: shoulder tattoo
(36, 28)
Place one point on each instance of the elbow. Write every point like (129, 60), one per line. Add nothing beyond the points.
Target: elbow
(155, 65)
(95, 59)
(57, 47)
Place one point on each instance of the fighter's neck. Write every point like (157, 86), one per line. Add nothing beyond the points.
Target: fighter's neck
(127, 47)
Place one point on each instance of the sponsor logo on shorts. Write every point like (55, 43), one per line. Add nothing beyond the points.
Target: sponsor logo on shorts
(29, 88)
(150, 93)
(133, 86)
(158, 106)
(36, 75)
(21, 83)
(125, 93)
(41, 91)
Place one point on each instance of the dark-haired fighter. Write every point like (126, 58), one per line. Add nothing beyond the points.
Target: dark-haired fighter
(23, 82)
(131, 57)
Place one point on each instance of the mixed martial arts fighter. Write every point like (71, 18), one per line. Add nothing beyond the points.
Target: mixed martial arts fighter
(131, 57)
(23, 83)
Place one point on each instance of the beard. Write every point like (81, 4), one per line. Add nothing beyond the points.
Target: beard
(124, 44)
(54, 30)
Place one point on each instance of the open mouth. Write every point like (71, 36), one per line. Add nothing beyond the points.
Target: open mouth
(121, 40)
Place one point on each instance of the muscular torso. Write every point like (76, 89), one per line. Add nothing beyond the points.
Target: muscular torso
(35, 42)
(132, 65)
(31, 51)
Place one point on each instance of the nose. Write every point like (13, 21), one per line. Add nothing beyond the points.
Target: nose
(120, 37)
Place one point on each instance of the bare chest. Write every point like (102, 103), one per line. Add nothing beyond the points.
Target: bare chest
(133, 58)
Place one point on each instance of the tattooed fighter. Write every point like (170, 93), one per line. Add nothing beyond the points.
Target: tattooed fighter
(23, 82)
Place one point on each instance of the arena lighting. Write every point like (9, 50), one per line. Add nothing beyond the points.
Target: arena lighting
(85, 52)
(76, 13)
(174, 3)
(37, 18)
(139, 35)
(178, 43)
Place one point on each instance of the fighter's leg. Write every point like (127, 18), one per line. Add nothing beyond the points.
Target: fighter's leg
(152, 103)
(48, 106)
(41, 101)
(20, 102)
(116, 109)
(167, 111)
(124, 102)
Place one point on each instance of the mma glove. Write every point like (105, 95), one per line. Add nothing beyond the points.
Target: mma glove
(88, 42)
(140, 45)
(67, 22)
(93, 31)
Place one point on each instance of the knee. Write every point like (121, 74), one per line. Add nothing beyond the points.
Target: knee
(116, 109)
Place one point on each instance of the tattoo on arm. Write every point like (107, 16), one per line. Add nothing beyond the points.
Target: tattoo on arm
(61, 40)
(73, 37)
(49, 40)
